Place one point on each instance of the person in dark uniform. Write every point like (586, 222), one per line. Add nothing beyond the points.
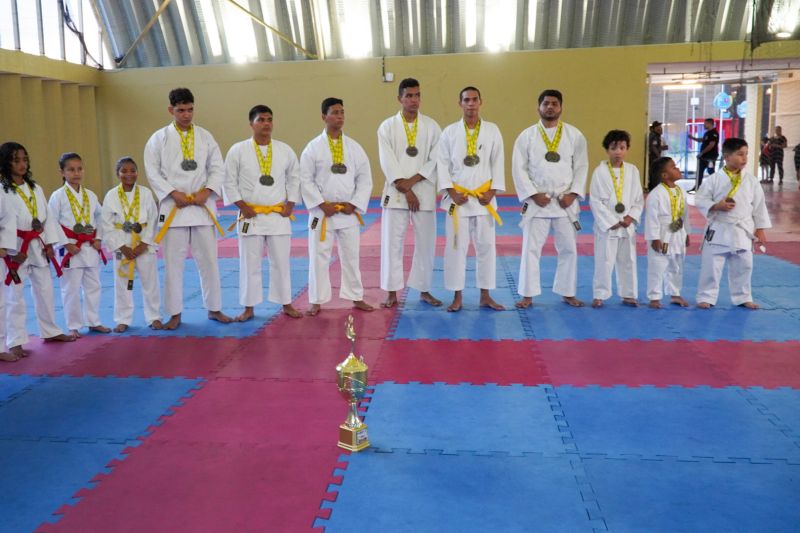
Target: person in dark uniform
(655, 145)
(709, 151)
(776, 145)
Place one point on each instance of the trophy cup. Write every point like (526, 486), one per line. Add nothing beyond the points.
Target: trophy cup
(351, 376)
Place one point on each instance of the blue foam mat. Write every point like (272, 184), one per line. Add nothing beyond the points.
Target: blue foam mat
(11, 385)
(782, 403)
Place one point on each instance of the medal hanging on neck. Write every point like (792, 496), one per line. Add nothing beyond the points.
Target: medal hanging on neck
(552, 155)
(618, 185)
(130, 212)
(80, 211)
(264, 164)
(472, 157)
(736, 180)
(337, 154)
(411, 137)
(676, 207)
(187, 148)
(33, 208)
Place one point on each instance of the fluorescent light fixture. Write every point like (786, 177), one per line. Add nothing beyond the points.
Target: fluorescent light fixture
(783, 35)
(682, 87)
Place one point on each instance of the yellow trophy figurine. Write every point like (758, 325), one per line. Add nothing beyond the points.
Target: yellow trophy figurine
(352, 380)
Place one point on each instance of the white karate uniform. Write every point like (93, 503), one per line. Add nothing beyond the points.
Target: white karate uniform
(36, 268)
(83, 272)
(397, 164)
(474, 220)
(532, 175)
(318, 184)
(8, 241)
(273, 231)
(732, 240)
(145, 266)
(615, 248)
(192, 228)
(664, 270)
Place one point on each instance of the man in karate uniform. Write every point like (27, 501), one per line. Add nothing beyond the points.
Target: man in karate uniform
(185, 170)
(262, 179)
(470, 171)
(336, 183)
(406, 142)
(549, 166)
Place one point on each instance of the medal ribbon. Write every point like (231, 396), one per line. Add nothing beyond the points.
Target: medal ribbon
(79, 211)
(264, 163)
(472, 140)
(130, 213)
(676, 203)
(736, 180)
(337, 149)
(618, 183)
(477, 193)
(411, 134)
(339, 207)
(187, 141)
(552, 146)
(263, 210)
(30, 203)
(168, 222)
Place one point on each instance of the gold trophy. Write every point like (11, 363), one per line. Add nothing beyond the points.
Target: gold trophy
(351, 376)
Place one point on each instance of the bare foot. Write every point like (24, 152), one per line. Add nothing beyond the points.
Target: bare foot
(391, 300)
(749, 305)
(703, 305)
(630, 302)
(100, 329)
(173, 322)
(525, 303)
(156, 324)
(219, 316)
(59, 338)
(571, 300)
(8, 357)
(74, 333)
(291, 311)
(121, 328)
(18, 351)
(487, 301)
(363, 306)
(596, 303)
(455, 306)
(430, 299)
(314, 310)
(677, 300)
(246, 315)
(654, 304)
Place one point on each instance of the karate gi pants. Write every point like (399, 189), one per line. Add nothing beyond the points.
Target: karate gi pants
(251, 252)
(479, 229)
(664, 272)
(146, 275)
(202, 240)
(740, 270)
(73, 282)
(394, 224)
(319, 276)
(534, 234)
(616, 255)
(43, 305)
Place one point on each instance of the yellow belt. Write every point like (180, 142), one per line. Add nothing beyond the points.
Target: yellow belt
(262, 210)
(476, 193)
(339, 207)
(165, 227)
(126, 265)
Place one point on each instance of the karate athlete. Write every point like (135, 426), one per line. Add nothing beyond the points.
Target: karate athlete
(262, 179)
(617, 201)
(8, 241)
(185, 170)
(666, 229)
(36, 232)
(470, 171)
(733, 202)
(549, 166)
(336, 183)
(77, 210)
(406, 143)
(128, 220)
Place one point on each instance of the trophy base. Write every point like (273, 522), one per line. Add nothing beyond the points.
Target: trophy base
(353, 439)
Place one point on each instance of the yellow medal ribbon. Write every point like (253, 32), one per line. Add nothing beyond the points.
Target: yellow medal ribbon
(126, 266)
(187, 141)
(337, 149)
(30, 203)
(411, 134)
(618, 183)
(477, 193)
(165, 227)
(736, 180)
(264, 163)
(262, 210)
(552, 146)
(130, 212)
(472, 140)
(676, 203)
(339, 207)
(80, 211)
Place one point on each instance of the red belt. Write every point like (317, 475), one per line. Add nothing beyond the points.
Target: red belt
(81, 238)
(13, 266)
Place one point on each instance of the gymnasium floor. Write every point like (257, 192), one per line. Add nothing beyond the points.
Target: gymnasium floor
(548, 419)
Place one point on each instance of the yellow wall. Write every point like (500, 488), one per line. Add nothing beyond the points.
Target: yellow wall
(603, 88)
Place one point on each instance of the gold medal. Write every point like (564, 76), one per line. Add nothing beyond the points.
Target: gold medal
(412, 151)
(472, 160)
(619, 208)
(37, 225)
(127, 226)
(266, 180)
(552, 157)
(78, 228)
(189, 164)
(339, 168)
(136, 227)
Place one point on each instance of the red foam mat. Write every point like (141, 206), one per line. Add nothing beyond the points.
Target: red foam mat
(53, 357)
(749, 364)
(329, 323)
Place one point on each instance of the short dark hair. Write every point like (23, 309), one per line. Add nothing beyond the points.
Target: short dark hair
(257, 110)
(615, 136)
(406, 84)
(555, 93)
(470, 88)
(330, 102)
(710, 120)
(62, 160)
(181, 95)
(732, 144)
(122, 160)
(656, 169)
